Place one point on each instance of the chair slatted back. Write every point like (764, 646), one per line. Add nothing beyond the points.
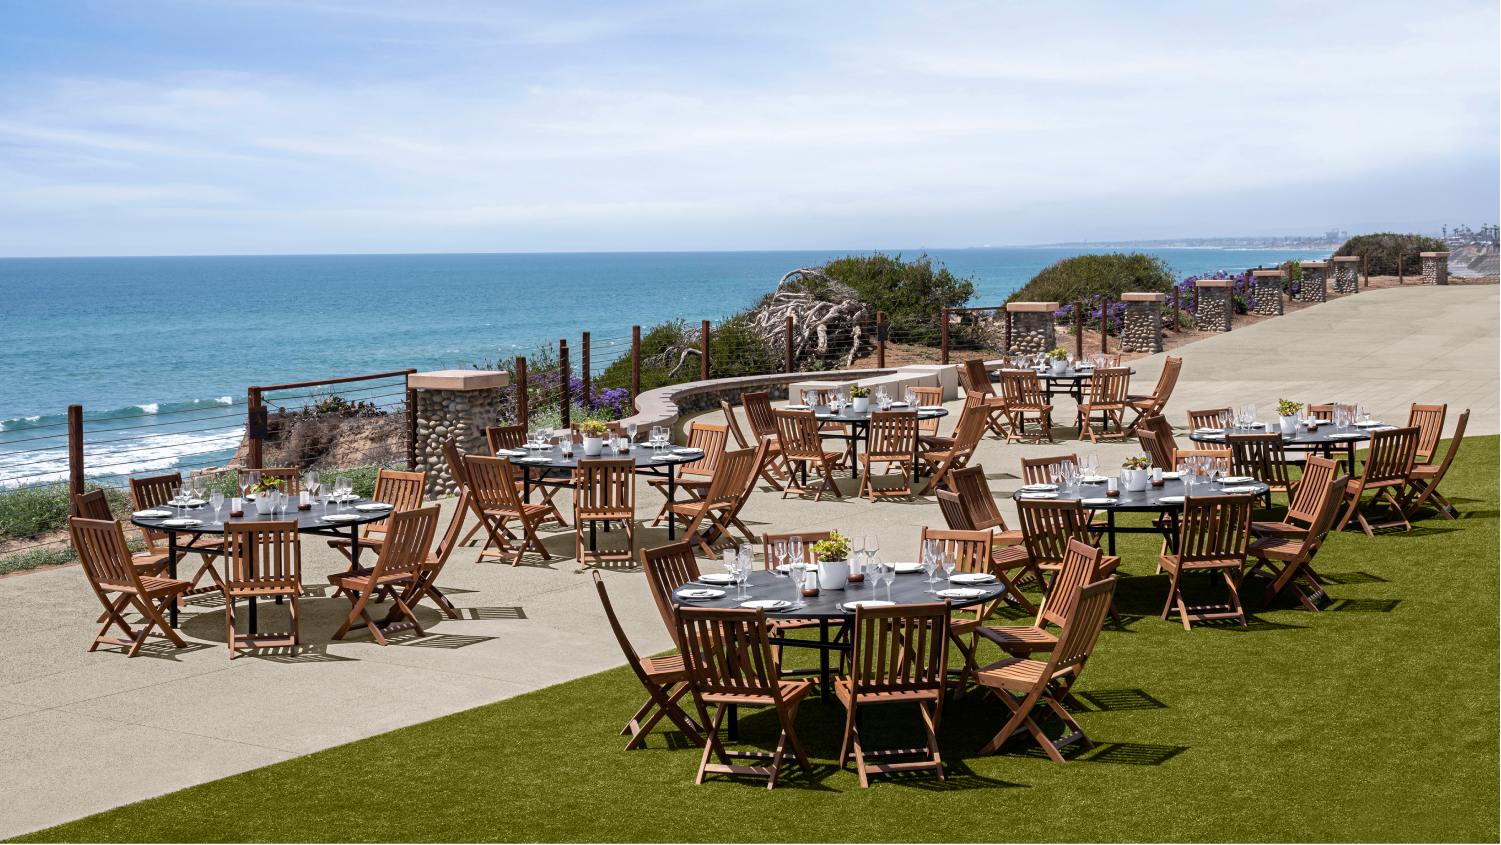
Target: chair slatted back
(1317, 474)
(979, 377)
(769, 542)
(1158, 425)
(732, 478)
(102, 552)
(1167, 381)
(1108, 387)
(1222, 452)
(409, 534)
(1081, 564)
(971, 549)
(969, 431)
(728, 652)
(955, 515)
(1321, 412)
(631, 656)
(711, 438)
(901, 649)
(285, 477)
(892, 434)
(1206, 419)
(759, 412)
(1022, 389)
(93, 505)
(450, 537)
(1215, 528)
(1454, 441)
(263, 554)
(1082, 631)
(606, 489)
(401, 490)
(975, 498)
(1323, 517)
(668, 568)
(1047, 527)
(490, 482)
(1036, 470)
(505, 437)
(733, 424)
(154, 492)
(928, 397)
(1260, 456)
(797, 433)
(1150, 444)
(1429, 420)
(1389, 457)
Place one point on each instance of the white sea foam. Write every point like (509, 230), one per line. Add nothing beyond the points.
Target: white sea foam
(225, 400)
(147, 453)
(149, 408)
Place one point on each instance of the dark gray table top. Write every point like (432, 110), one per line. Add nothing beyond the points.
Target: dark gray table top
(848, 414)
(1149, 499)
(1326, 435)
(828, 604)
(308, 520)
(644, 457)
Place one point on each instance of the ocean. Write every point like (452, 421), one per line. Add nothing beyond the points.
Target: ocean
(158, 351)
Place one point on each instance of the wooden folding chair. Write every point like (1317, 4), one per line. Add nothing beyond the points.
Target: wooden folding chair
(510, 437)
(1286, 560)
(94, 505)
(1424, 478)
(974, 404)
(1081, 565)
(732, 516)
(106, 563)
(425, 585)
(763, 422)
(1153, 404)
(971, 507)
(668, 568)
(399, 564)
(944, 462)
(802, 448)
(1209, 418)
(900, 656)
(977, 381)
(505, 437)
(156, 492)
(736, 473)
(695, 477)
(768, 472)
(402, 491)
(665, 679)
(928, 397)
(1322, 412)
(1047, 527)
(497, 503)
(1429, 421)
(1304, 503)
(1216, 530)
(1024, 685)
(1388, 470)
(1154, 448)
(606, 491)
(971, 553)
(1158, 425)
(1107, 397)
(1179, 455)
(263, 560)
(728, 657)
(892, 440)
(1021, 393)
(1261, 457)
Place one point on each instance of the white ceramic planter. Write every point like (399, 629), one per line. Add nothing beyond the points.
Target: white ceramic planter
(860, 404)
(1059, 366)
(1135, 480)
(593, 446)
(263, 503)
(1289, 425)
(833, 574)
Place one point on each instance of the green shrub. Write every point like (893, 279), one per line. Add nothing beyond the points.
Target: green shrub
(1382, 247)
(912, 293)
(39, 508)
(1085, 276)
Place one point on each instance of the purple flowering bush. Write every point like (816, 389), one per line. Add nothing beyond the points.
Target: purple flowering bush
(1241, 289)
(1095, 309)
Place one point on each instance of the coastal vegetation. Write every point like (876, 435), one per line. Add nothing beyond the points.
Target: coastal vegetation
(1092, 276)
(1381, 249)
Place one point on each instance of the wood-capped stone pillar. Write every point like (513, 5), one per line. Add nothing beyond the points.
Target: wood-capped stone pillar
(1032, 327)
(1346, 273)
(1435, 268)
(1142, 331)
(1268, 292)
(1216, 303)
(1314, 285)
(459, 404)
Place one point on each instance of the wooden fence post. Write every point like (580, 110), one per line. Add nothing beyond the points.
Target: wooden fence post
(75, 457)
(565, 386)
(1078, 329)
(635, 363)
(880, 339)
(1175, 308)
(1365, 268)
(1008, 331)
(703, 349)
(787, 345)
(1399, 268)
(520, 390)
(1104, 315)
(411, 429)
(255, 429)
(945, 330)
(584, 370)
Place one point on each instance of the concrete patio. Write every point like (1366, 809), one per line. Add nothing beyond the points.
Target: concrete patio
(67, 717)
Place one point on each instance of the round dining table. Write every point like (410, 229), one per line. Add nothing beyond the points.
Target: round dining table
(1326, 438)
(548, 463)
(310, 521)
(1166, 500)
(829, 608)
(859, 425)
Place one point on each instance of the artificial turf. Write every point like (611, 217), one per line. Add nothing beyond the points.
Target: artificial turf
(1374, 720)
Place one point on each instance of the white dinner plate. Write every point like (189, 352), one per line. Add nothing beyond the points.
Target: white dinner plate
(1209, 431)
(151, 514)
(907, 568)
(766, 604)
(851, 605)
(370, 507)
(339, 517)
(797, 407)
(1029, 495)
(716, 578)
(533, 460)
(1100, 501)
(1238, 490)
(1093, 479)
(1345, 436)
(898, 404)
(510, 453)
(961, 593)
(972, 578)
(1170, 500)
(1171, 474)
(181, 523)
(700, 594)
(689, 451)
(1039, 487)
(1236, 479)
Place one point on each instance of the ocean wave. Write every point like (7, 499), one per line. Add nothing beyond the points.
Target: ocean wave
(143, 410)
(148, 453)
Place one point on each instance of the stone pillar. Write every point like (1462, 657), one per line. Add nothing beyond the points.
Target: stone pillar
(1268, 292)
(1435, 268)
(1032, 327)
(459, 404)
(1216, 304)
(1143, 325)
(1315, 278)
(1346, 273)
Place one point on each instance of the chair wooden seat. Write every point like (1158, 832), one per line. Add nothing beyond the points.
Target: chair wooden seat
(1424, 471)
(891, 438)
(1015, 638)
(105, 560)
(266, 589)
(153, 587)
(1214, 533)
(262, 560)
(1014, 673)
(842, 690)
(1424, 478)
(1278, 529)
(402, 491)
(1173, 563)
(361, 580)
(1284, 560)
(1276, 547)
(1305, 501)
(792, 692)
(1388, 464)
(402, 562)
(1082, 564)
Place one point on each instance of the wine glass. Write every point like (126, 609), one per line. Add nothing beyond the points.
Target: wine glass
(342, 488)
(888, 574)
(930, 564)
(872, 545)
(796, 569)
(253, 480)
(949, 560)
(746, 561)
(1251, 415)
(795, 549)
(779, 549)
(630, 430)
(1092, 465)
(216, 499)
(857, 554)
(310, 482)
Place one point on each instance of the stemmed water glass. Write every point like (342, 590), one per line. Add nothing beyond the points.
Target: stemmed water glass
(888, 574)
(743, 564)
(310, 483)
(857, 554)
(872, 545)
(779, 549)
(1092, 465)
(930, 554)
(630, 430)
(343, 487)
(216, 498)
(949, 560)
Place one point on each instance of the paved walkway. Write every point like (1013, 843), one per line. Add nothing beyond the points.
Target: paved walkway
(67, 717)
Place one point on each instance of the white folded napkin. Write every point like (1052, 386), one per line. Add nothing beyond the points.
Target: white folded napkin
(151, 514)
(961, 593)
(851, 605)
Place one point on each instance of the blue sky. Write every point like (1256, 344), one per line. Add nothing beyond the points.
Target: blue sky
(201, 127)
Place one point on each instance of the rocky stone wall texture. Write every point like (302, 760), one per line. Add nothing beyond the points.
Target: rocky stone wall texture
(461, 414)
(1269, 296)
(1033, 331)
(1435, 271)
(1314, 287)
(1346, 276)
(1215, 309)
(1143, 329)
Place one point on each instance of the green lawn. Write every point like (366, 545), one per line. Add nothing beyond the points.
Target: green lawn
(1375, 720)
